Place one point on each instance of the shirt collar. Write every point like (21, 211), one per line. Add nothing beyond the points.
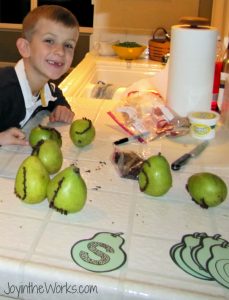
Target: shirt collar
(26, 90)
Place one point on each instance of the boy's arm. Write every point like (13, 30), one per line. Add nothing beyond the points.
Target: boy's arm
(61, 114)
(60, 108)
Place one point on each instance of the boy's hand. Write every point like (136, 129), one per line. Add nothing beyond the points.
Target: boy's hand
(13, 136)
(61, 114)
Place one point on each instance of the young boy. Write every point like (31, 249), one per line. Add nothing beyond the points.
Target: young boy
(49, 37)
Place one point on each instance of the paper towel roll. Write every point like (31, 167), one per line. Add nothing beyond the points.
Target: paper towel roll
(191, 68)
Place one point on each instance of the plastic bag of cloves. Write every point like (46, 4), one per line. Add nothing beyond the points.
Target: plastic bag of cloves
(128, 163)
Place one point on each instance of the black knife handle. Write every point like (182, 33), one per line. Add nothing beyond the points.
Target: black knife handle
(176, 165)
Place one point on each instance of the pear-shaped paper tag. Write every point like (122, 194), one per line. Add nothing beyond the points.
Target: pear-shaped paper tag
(101, 253)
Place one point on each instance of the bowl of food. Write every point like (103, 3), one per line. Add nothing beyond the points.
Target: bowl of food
(128, 50)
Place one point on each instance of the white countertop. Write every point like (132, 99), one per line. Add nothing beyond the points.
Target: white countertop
(36, 242)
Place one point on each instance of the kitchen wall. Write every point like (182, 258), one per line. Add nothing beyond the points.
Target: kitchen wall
(141, 16)
(220, 18)
(137, 19)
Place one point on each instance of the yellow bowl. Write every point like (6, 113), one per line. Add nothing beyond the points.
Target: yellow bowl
(128, 52)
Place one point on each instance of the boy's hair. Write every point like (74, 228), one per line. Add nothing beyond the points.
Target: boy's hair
(54, 13)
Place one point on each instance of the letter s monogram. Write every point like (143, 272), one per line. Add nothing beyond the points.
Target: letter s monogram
(92, 246)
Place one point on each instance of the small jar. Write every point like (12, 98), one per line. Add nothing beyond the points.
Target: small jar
(203, 124)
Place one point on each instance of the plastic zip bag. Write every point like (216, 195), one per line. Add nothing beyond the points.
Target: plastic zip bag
(143, 111)
(127, 163)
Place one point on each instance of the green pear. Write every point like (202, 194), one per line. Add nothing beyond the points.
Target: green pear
(155, 178)
(206, 189)
(31, 181)
(50, 155)
(67, 191)
(82, 132)
(40, 132)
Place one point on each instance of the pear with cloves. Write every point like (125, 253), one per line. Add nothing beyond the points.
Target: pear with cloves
(50, 154)
(82, 132)
(67, 191)
(155, 178)
(31, 181)
(41, 132)
(206, 189)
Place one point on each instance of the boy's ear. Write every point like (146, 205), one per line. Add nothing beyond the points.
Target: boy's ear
(23, 47)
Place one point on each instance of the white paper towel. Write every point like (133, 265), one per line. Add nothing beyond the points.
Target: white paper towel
(191, 68)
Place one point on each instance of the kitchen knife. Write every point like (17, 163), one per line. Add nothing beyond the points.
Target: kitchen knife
(176, 165)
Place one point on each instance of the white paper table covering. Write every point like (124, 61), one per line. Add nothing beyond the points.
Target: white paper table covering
(36, 241)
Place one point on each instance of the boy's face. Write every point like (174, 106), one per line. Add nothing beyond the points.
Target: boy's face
(51, 49)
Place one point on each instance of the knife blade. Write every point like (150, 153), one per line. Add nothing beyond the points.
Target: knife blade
(177, 164)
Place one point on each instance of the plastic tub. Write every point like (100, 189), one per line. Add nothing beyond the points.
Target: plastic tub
(203, 124)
